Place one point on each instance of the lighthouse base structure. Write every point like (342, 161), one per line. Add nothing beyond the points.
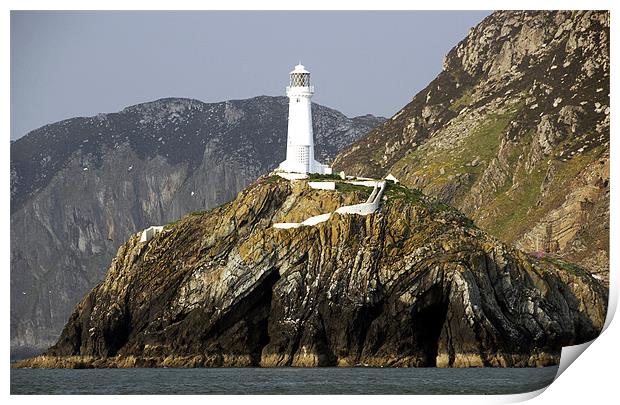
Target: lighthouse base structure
(295, 167)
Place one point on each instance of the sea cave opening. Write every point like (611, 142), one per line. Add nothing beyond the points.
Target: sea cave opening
(427, 324)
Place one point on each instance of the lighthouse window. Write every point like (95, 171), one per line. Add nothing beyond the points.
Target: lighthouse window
(300, 79)
(303, 154)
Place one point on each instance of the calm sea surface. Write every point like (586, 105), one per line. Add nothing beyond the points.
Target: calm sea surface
(281, 381)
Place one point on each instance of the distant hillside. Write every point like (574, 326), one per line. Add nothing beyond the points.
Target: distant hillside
(514, 131)
(81, 187)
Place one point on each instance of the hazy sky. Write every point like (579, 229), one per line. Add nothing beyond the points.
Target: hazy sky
(68, 64)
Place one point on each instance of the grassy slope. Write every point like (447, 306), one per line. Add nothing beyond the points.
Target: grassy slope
(439, 164)
(516, 206)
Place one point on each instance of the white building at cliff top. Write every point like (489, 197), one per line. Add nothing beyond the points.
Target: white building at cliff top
(300, 140)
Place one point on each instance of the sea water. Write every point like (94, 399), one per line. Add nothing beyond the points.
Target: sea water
(281, 381)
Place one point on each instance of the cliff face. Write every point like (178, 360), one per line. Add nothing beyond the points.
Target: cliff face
(80, 187)
(415, 284)
(514, 132)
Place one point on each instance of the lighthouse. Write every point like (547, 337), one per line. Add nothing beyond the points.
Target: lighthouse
(300, 139)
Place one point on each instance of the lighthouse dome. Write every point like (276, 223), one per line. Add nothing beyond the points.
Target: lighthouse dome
(299, 69)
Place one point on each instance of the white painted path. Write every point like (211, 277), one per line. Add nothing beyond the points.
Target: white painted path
(369, 207)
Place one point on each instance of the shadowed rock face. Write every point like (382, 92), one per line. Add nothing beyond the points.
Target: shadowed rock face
(80, 187)
(413, 285)
(514, 132)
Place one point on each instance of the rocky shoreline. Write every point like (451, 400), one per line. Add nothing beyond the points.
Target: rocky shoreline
(83, 362)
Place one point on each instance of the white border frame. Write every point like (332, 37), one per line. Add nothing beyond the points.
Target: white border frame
(591, 379)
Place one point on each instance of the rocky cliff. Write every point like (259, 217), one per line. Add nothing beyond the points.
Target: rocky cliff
(415, 284)
(80, 187)
(515, 132)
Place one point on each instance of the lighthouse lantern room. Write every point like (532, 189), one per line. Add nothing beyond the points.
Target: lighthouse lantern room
(300, 139)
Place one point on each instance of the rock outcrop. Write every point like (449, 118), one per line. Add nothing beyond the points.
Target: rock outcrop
(415, 284)
(514, 132)
(80, 187)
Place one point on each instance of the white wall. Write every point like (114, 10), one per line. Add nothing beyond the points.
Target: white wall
(292, 176)
(316, 219)
(370, 206)
(149, 232)
(286, 225)
(322, 185)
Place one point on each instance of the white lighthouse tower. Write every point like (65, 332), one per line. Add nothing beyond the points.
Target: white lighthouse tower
(300, 140)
